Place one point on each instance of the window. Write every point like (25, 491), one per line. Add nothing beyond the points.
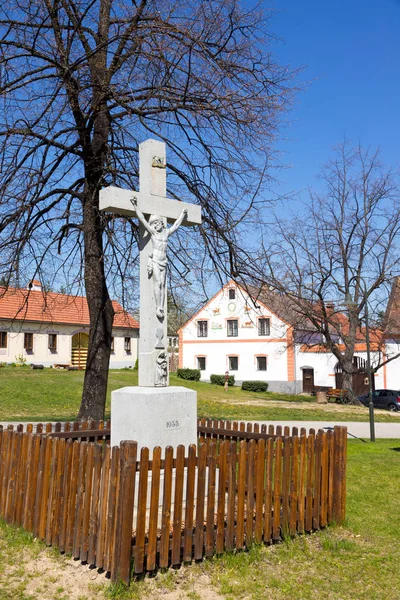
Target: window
(52, 341)
(232, 294)
(233, 363)
(112, 344)
(263, 327)
(202, 328)
(3, 339)
(127, 344)
(261, 363)
(232, 328)
(28, 341)
(201, 363)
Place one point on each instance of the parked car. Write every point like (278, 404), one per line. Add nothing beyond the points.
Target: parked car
(389, 399)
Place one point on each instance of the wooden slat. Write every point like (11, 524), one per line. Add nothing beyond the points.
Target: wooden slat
(67, 480)
(241, 494)
(94, 522)
(21, 480)
(104, 490)
(141, 511)
(189, 510)
(154, 504)
(250, 492)
(15, 454)
(310, 481)
(71, 501)
(324, 481)
(343, 474)
(230, 521)
(166, 508)
(260, 472)
(302, 483)
(285, 485)
(51, 503)
(200, 500)
(58, 490)
(80, 491)
(31, 481)
(294, 486)
(45, 488)
(112, 506)
(222, 477)
(317, 481)
(276, 525)
(178, 500)
(268, 491)
(122, 546)
(84, 546)
(211, 464)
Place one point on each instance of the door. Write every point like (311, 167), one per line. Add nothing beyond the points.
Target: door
(80, 343)
(308, 381)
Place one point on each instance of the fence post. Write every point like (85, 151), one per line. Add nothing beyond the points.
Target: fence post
(121, 561)
(339, 487)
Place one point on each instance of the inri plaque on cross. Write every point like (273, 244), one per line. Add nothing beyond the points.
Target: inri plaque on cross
(154, 210)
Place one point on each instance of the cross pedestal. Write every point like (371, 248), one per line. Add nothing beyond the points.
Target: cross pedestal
(152, 414)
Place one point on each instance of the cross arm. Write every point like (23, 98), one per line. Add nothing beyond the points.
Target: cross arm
(118, 201)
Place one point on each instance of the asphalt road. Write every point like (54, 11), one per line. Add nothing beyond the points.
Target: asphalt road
(354, 428)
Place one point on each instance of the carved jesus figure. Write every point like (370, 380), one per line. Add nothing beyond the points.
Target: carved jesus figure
(157, 266)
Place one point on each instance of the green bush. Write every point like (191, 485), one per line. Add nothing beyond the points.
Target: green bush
(255, 386)
(189, 374)
(220, 379)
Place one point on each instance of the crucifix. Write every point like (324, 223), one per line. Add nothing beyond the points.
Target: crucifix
(154, 211)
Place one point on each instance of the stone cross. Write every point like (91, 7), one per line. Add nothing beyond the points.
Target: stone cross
(152, 202)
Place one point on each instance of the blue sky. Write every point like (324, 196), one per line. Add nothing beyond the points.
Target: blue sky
(350, 51)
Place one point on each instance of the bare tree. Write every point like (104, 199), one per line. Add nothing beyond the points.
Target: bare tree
(341, 254)
(82, 83)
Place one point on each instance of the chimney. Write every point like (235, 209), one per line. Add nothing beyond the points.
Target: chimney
(330, 307)
(35, 285)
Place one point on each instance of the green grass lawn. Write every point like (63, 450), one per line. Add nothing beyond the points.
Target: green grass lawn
(49, 394)
(359, 560)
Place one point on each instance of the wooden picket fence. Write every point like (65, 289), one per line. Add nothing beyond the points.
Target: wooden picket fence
(109, 506)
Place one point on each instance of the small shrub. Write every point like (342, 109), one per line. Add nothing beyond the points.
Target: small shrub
(20, 360)
(136, 367)
(255, 386)
(220, 379)
(189, 374)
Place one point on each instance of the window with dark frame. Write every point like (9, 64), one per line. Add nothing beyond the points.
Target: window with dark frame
(202, 328)
(112, 344)
(3, 339)
(232, 294)
(127, 344)
(233, 363)
(201, 363)
(264, 327)
(261, 363)
(52, 341)
(232, 328)
(28, 341)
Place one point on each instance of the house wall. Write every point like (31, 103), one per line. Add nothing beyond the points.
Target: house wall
(392, 369)
(324, 364)
(41, 354)
(217, 346)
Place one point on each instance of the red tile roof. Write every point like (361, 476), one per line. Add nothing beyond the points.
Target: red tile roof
(49, 307)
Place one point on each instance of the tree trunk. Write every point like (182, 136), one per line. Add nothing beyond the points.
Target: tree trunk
(101, 313)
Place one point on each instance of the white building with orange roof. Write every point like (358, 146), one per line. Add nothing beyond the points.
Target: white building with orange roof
(254, 338)
(51, 329)
(234, 333)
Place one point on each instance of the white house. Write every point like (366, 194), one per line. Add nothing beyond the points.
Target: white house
(255, 338)
(233, 333)
(53, 329)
